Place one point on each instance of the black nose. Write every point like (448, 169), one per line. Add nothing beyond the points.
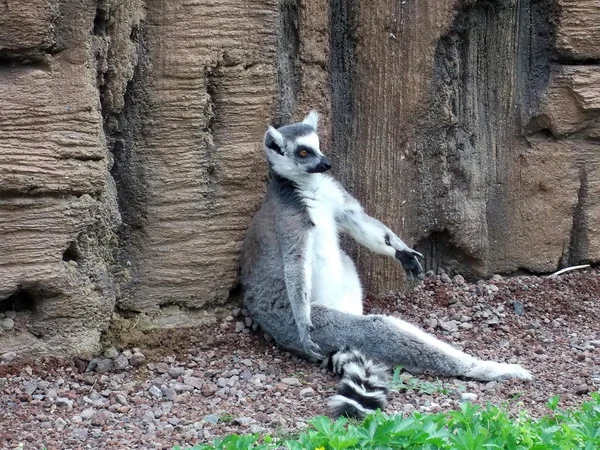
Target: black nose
(326, 163)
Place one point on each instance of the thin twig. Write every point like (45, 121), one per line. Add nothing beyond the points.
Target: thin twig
(568, 269)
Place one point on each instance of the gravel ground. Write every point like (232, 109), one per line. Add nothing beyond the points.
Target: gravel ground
(230, 379)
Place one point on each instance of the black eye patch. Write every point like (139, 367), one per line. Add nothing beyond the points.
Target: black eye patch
(304, 151)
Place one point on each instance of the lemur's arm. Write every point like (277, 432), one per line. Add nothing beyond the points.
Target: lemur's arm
(374, 235)
(298, 280)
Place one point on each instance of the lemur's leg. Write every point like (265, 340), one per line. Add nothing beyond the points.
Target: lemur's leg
(399, 343)
(374, 235)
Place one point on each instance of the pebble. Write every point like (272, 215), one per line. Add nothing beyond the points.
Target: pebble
(60, 424)
(80, 434)
(445, 278)
(245, 421)
(104, 365)
(121, 399)
(155, 391)
(468, 396)
(63, 401)
(239, 326)
(169, 393)
(111, 353)
(137, 359)
(582, 389)
(307, 392)
(8, 357)
(291, 381)
(431, 323)
(161, 367)
(7, 324)
(180, 387)
(30, 387)
(87, 413)
(211, 418)
(209, 389)
(196, 383)
(450, 325)
(176, 372)
(121, 362)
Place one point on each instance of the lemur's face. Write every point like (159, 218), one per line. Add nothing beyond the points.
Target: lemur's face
(293, 150)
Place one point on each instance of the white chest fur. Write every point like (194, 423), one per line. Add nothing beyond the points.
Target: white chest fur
(327, 266)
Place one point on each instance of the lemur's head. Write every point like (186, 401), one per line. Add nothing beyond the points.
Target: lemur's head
(293, 150)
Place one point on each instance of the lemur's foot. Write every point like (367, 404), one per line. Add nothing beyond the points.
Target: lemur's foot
(494, 371)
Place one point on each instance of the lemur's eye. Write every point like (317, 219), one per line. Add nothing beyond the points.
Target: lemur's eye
(303, 153)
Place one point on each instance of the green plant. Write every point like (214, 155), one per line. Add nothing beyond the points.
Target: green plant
(400, 382)
(472, 427)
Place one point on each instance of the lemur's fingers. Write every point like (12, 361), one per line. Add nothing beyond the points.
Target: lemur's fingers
(410, 263)
(312, 350)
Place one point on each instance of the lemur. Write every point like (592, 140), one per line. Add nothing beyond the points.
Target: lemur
(304, 290)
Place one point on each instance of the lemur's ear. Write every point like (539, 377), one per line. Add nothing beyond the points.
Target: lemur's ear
(274, 140)
(312, 119)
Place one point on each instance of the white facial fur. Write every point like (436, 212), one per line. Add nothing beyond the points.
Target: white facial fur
(312, 141)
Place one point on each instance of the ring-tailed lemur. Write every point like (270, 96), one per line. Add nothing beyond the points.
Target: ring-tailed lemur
(304, 290)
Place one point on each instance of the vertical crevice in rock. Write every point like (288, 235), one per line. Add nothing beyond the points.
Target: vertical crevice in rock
(342, 41)
(123, 131)
(490, 72)
(579, 238)
(288, 81)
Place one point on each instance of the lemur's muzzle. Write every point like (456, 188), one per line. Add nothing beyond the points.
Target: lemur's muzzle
(323, 166)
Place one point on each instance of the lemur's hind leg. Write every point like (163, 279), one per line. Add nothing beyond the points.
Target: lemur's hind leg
(399, 343)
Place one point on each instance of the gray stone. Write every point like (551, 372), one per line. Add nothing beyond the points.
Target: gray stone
(121, 362)
(468, 396)
(445, 278)
(7, 324)
(518, 308)
(239, 326)
(169, 393)
(292, 381)
(80, 434)
(176, 372)
(222, 382)
(8, 357)
(244, 421)
(121, 399)
(155, 391)
(431, 323)
(30, 387)
(197, 383)
(148, 415)
(246, 362)
(307, 392)
(459, 280)
(181, 387)
(211, 418)
(248, 321)
(111, 352)
(104, 365)
(65, 402)
(450, 326)
(137, 359)
(60, 424)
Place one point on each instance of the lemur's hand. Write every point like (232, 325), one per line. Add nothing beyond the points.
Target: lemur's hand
(406, 256)
(410, 263)
(310, 348)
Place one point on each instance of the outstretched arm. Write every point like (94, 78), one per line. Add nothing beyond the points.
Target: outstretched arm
(374, 235)
(298, 281)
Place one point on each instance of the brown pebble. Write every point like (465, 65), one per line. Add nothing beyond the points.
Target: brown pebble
(582, 389)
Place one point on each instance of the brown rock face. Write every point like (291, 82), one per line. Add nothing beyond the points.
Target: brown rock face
(131, 158)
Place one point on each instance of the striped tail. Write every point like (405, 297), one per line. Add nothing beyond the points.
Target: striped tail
(364, 385)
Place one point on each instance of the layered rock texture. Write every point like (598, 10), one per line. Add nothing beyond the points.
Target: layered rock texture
(131, 158)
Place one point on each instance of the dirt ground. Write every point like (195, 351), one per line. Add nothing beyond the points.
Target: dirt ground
(194, 385)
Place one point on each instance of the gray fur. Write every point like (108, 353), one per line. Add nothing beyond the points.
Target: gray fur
(276, 293)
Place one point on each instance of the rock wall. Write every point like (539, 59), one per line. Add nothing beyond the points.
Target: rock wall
(131, 159)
